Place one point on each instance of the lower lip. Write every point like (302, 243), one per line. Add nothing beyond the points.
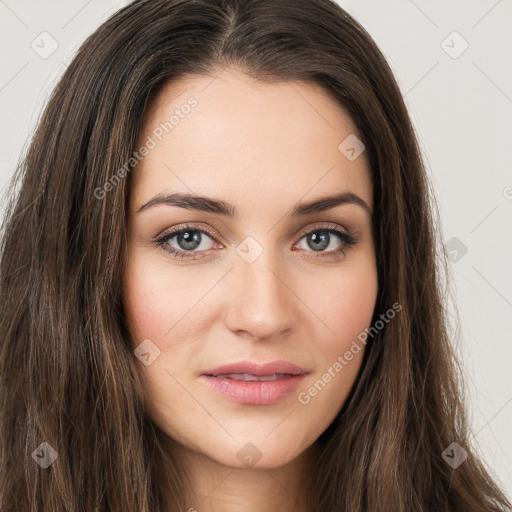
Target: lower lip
(255, 392)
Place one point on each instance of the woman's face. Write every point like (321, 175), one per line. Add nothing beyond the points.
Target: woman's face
(256, 277)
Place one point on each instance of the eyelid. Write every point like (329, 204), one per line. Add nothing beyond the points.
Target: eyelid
(323, 225)
(180, 227)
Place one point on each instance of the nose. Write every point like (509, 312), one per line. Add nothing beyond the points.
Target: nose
(261, 302)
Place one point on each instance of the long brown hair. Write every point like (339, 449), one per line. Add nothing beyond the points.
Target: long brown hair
(68, 374)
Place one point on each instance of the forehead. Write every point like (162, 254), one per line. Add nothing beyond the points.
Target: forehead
(230, 135)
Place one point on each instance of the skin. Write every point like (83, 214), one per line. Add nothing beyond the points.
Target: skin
(264, 148)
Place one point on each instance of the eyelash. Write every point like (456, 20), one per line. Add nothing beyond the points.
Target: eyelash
(349, 240)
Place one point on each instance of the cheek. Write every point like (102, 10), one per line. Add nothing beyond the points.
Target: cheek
(147, 303)
(151, 309)
(164, 306)
(346, 309)
(345, 305)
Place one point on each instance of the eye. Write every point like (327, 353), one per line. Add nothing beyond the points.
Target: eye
(190, 242)
(182, 241)
(327, 237)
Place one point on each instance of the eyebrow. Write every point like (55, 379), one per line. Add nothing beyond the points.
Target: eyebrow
(219, 207)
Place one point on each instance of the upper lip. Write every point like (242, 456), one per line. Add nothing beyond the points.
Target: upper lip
(259, 370)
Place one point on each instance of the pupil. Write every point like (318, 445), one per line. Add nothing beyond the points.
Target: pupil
(189, 242)
(322, 239)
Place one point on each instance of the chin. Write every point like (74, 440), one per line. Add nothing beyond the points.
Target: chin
(258, 453)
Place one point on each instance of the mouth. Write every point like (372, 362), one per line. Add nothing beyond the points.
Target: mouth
(247, 377)
(270, 369)
(255, 384)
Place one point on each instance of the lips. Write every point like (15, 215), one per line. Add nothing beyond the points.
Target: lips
(255, 384)
(256, 370)
(247, 377)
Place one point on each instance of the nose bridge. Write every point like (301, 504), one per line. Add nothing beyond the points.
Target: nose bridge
(261, 302)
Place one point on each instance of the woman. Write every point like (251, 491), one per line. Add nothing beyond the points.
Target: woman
(218, 283)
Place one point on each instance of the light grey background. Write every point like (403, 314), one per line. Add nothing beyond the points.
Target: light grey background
(460, 100)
